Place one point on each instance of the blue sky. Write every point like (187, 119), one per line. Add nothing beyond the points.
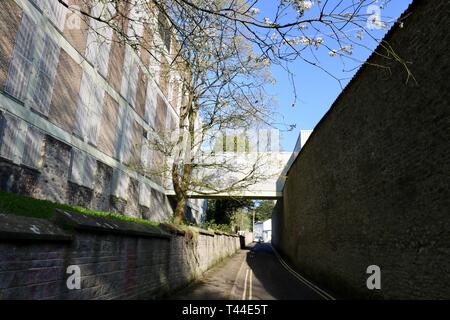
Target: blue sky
(316, 91)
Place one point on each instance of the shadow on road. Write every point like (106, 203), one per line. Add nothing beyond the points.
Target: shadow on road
(272, 281)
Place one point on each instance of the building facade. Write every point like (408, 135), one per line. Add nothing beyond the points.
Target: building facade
(76, 106)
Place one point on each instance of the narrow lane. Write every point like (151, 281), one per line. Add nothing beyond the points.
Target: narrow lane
(252, 274)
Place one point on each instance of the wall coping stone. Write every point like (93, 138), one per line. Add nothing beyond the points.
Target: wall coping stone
(26, 228)
(80, 221)
(170, 228)
(205, 232)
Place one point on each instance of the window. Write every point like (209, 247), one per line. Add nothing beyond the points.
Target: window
(120, 184)
(33, 148)
(98, 47)
(9, 135)
(129, 77)
(164, 77)
(164, 30)
(150, 105)
(55, 11)
(130, 151)
(144, 195)
(108, 131)
(45, 76)
(89, 109)
(171, 121)
(161, 111)
(158, 199)
(126, 137)
(21, 63)
(135, 25)
(82, 168)
(146, 156)
(15, 134)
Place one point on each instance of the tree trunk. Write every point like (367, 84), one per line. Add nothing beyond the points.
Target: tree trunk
(181, 180)
(179, 210)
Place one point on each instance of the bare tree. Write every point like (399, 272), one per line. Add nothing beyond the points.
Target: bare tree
(218, 54)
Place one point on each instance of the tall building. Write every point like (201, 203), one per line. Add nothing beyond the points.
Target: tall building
(76, 106)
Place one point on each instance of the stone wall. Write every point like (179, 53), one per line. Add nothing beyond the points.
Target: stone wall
(371, 185)
(117, 260)
(52, 182)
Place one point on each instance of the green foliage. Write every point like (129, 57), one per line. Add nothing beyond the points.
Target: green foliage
(263, 211)
(211, 225)
(241, 220)
(11, 203)
(221, 210)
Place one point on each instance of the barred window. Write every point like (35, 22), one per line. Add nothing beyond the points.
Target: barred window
(21, 67)
(45, 76)
(33, 148)
(82, 169)
(89, 110)
(98, 48)
(130, 77)
(21, 63)
(161, 113)
(144, 195)
(127, 138)
(14, 132)
(120, 184)
(146, 156)
(9, 133)
(83, 104)
(99, 38)
(150, 105)
(54, 10)
(94, 114)
(164, 30)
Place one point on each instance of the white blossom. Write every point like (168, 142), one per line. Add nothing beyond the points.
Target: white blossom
(347, 49)
(306, 4)
(267, 21)
(318, 41)
(301, 5)
(254, 11)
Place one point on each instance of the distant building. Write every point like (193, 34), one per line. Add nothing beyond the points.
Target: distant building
(258, 231)
(267, 230)
(262, 231)
(304, 136)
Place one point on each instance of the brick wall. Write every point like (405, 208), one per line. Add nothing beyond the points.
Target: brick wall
(113, 266)
(10, 17)
(370, 187)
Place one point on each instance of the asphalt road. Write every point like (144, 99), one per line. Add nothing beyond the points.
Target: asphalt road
(256, 273)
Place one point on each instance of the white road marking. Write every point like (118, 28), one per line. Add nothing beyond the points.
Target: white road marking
(319, 291)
